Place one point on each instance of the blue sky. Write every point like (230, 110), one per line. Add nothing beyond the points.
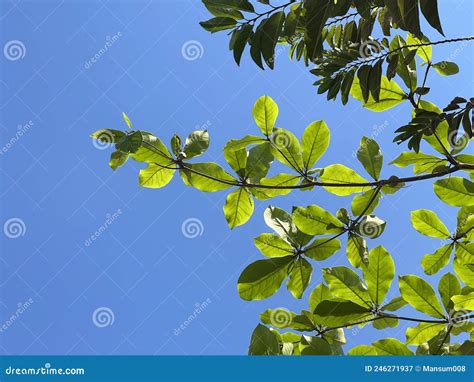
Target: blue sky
(141, 270)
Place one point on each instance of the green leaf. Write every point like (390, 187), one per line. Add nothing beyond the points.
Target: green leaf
(271, 30)
(265, 113)
(465, 272)
(322, 248)
(286, 148)
(241, 5)
(394, 304)
(218, 24)
(384, 323)
(357, 252)
(238, 144)
(455, 191)
(320, 293)
(340, 174)
(155, 176)
(465, 252)
(127, 120)
(176, 145)
(391, 94)
(336, 312)
(425, 51)
(362, 350)
(422, 162)
(263, 278)
(345, 284)
(370, 156)
(316, 14)
(237, 159)
(314, 142)
(196, 143)
(272, 245)
(378, 273)
(410, 15)
(428, 223)
(282, 223)
(463, 302)
(432, 263)
(315, 220)
(130, 143)
(300, 276)
(264, 342)
(242, 37)
(420, 295)
(446, 68)
(361, 202)
(314, 346)
(152, 151)
(238, 207)
(280, 180)
(370, 226)
(202, 176)
(391, 346)
(258, 162)
(117, 159)
(423, 332)
(448, 286)
(429, 8)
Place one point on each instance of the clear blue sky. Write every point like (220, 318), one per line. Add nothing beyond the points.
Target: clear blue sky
(142, 268)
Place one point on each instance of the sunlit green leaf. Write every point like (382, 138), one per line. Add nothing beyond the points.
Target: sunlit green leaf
(420, 295)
